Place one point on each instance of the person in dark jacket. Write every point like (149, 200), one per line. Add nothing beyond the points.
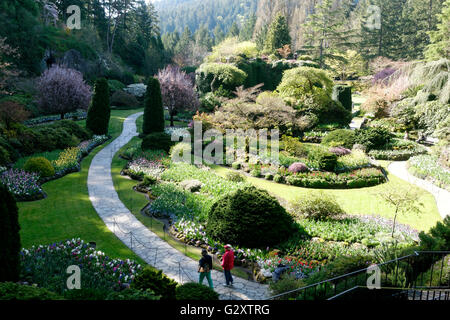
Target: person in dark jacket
(228, 264)
(204, 268)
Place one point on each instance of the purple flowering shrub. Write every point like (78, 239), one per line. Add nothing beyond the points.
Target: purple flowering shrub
(298, 167)
(340, 151)
(62, 90)
(383, 75)
(23, 185)
(46, 266)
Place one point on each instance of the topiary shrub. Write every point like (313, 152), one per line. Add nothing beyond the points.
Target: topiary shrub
(15, 291)
(195, 291)
(323, 159)
(373, 137)
(9, 237)
(298, 167)
(343, 94)
(155, 280)
(157, 141)
(340, 138)
(249, 217)
(153, 108)
(121, 98)
(318, 206)
(41, 166)
(99, 111)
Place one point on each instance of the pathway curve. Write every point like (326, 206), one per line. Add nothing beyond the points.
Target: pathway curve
(139, 238)
(442, 197)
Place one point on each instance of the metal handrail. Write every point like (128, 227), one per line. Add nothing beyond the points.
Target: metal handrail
(415, 254)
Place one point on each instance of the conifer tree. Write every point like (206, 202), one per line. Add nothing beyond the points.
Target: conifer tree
(153, 110)
(99, 111)
(277, 35)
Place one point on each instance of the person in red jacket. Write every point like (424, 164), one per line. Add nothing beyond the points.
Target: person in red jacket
(228, 264)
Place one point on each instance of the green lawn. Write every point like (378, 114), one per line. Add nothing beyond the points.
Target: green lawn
(68, 213)
(359, 201)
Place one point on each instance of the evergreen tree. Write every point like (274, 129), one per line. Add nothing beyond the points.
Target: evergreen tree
(219, 36)
(260, 37)
(440, 39)
(153, 109)
(203, 37)
(247, 29)
(277, 35)
(185, 42)
(99, 111)
(326, 31)
(9, 237)
(234, 31)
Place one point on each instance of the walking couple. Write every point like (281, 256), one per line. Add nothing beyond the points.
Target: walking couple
(205, 266)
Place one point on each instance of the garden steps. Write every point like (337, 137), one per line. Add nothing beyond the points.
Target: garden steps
(140, 239)
(442, 197)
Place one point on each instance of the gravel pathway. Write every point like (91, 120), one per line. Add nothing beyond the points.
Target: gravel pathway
(139, 238)
(442, 197)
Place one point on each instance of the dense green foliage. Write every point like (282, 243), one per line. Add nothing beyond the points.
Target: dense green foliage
(340, 137)
(155, 280)
(41, 166)
(343, 94)
(195, 291)
(99, 111)
(15, 291)
(245, 217)
(317, 206)
(157, 141)
(277, 35)
(212, 76)
(9, 237)
(153, 110)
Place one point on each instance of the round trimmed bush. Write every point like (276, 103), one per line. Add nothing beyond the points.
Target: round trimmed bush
(323, 159)
(195, 291)
(249, 217)
(340, 138)
(157, 141)
(235, 176)
(41, 166)
(373, 137)
(317, 206)
(298, 167)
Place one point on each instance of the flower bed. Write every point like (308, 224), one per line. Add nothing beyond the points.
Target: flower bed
(141, 167)
(23, 185)
(427, 167)
(328, 180)
(398, 150)
(79, 115)
(314, 136)
(46, 266)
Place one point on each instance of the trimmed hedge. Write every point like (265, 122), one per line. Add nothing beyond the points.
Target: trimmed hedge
(246, 217)
(343, 94)
(340, 138)
(195, 291)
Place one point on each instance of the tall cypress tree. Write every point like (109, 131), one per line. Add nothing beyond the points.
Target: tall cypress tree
(9, 237)
(153, 110)
(277, 35)
(99, 111)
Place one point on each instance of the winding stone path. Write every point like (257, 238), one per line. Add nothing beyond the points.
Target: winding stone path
(139, 238)
(442, 197)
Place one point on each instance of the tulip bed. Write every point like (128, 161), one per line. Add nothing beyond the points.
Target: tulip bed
(46, 266)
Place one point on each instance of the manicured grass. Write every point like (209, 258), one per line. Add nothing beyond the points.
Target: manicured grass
(359, 201)
(68, 213)
(136, 201)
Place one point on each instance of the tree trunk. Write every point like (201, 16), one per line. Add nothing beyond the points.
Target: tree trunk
(171, 120)
(393, 225)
